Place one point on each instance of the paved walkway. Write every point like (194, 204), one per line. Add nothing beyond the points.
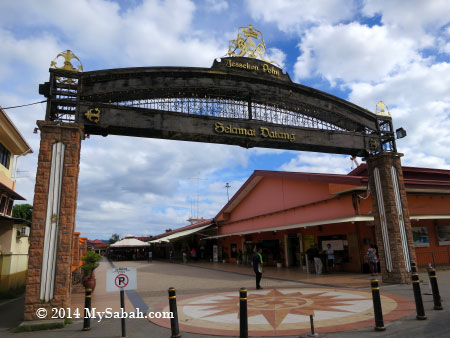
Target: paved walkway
(355, 280)
(207, 304)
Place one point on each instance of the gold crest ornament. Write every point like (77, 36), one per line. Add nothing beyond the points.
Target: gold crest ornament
(68, 57)
(382, 109)
(250, 43)
(373, 144)
(93, 115)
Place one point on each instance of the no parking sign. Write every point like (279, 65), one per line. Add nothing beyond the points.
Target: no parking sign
(121, 279)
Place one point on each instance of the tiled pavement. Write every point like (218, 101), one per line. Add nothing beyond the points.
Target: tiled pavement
(208, 299)
(344, 298)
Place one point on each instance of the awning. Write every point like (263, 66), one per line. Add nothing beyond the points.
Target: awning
(365, 218)
(129, 242)
(161, 240)
(9, 192)
(179, 234)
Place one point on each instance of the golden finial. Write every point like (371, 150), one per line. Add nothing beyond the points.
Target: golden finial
(382, 109)
(250, 43)
(68, 57)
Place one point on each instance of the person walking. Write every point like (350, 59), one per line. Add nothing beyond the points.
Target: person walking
(310, 258)
(372, 259)
(317, 260)
(258, 267)
(150, 256)
(330, 258)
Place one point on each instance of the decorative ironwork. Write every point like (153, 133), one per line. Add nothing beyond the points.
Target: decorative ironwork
(253, 100)
(382, 109)
(233, 109)
(250, 43)
(93, 117)
(68, 57)
(373, 144)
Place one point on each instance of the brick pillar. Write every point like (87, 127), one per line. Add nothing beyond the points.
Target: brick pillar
(391, 217)
(83, 246)
(63, 219)
(76, 258)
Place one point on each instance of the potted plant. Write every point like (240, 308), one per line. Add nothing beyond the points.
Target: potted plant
(90, 263)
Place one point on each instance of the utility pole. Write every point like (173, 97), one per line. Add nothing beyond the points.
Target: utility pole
(228, 186)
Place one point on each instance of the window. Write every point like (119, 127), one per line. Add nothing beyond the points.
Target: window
(5, 156)
(3, 201)
(9, 208)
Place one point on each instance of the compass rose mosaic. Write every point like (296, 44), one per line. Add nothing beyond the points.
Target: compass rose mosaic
(285, 311)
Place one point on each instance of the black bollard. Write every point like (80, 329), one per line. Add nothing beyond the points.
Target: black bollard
(87, 309)
(173, 309)
(435, 289)
(379, 323)
(311, 321)
(243, 317)
(418, 296)
(122, 320)
(413, 267)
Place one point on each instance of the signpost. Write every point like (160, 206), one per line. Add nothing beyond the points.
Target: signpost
(121, 279)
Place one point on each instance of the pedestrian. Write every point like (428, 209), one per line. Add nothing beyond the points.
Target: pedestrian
(330, 258)
(170, 255)
(150, 256)
(310, 258)
(372, 259)
(258, 267)
(184, 256)
(193, 254)
(317, 260)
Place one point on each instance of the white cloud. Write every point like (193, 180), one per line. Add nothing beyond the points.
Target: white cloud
(319, 163)
(417, 19)
(216, 5)
(352, 52)
(419, 102)
(294, 15)
(277, 55)
(154, 32)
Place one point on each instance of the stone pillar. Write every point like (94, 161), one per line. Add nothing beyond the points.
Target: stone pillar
(391, 217)
(54, 207)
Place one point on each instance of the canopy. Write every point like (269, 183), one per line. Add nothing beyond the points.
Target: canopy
(179, 234)
(129, 242)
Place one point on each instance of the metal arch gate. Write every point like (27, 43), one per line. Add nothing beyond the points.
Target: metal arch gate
(238, 101)
(150, 102)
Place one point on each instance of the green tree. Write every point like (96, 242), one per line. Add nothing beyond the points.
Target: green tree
(24, 211)
(114, 238)
(168, 230)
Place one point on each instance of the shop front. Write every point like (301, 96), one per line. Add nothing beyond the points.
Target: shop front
(286, 213)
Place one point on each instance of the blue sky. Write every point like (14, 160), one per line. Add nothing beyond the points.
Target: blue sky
(362, 51)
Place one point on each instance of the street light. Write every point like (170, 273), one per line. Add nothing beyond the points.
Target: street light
(401, 133)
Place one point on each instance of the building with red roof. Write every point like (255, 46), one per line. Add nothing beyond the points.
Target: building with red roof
(287, 212)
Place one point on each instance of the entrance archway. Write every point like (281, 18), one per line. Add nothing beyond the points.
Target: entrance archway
(239, 101)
